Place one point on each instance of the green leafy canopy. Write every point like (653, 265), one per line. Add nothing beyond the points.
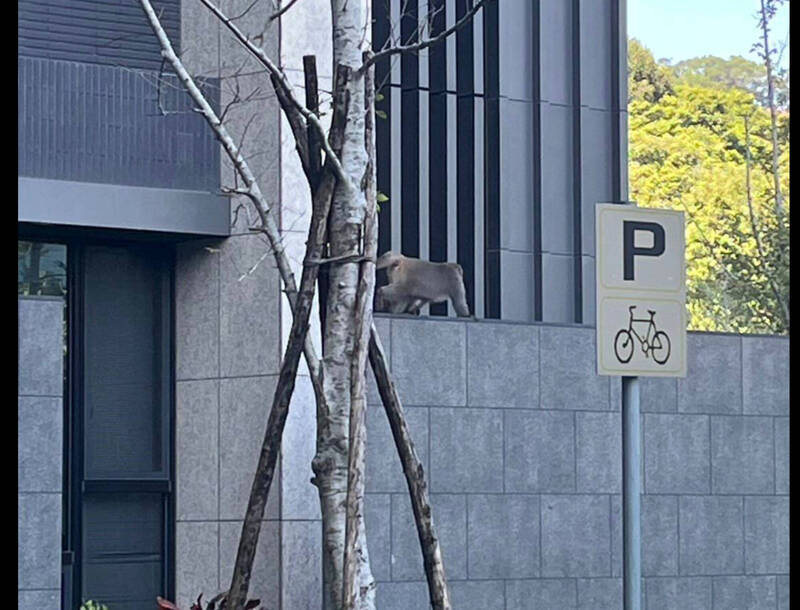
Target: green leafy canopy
(689, 150)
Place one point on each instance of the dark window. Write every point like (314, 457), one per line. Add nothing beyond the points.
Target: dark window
(41, 269)
(122, 403)
(125, 402)
(118, 537)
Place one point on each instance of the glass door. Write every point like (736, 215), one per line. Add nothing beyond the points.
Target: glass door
(121, 463)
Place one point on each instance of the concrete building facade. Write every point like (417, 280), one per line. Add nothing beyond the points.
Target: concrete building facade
(494, 151)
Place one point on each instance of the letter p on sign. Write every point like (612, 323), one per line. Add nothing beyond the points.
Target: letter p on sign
(641, 291)
(629, 227)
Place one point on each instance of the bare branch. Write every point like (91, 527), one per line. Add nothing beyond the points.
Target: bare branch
(277, 14)
(286, 87)
(422, 44)
(252, 191)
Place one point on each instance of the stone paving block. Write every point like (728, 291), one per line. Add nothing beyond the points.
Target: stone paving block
(765, 375)
(659, 528)
(295, 41)
(782, 461)
(265, 578)
(503, 536)
(197, 450)
(541, 593)
(576, 536)
(603, 593)
(503, 365)
(516, 268)
(477, 594)
(599, 451)
(197, 560)
(200, 59)
(384, 469)
(568, 378)
(742, 455)
(197, 310)
(299, 498)
(466, 450)
(40, 437)
(429, 361)
(40, 599)
(402, 596)
(712, 383)
(557, 269)
(39, 541)
(658, 394)
(40, 338)
(711, 540)
(244, 409)
(248, 344)
(301, 565)
(677, 593)
(676, 453)
(782, 586)
(744, 592)
(450, 520)
(539, 451)
(377, 520)
(766, 535)
(261, 118)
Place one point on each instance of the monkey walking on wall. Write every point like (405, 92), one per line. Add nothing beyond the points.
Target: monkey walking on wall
(414, 283)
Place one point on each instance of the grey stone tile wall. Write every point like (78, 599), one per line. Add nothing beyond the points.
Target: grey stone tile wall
(227, 355)
(40, 434)
(722, 542)
(525, 474)
(228, 348)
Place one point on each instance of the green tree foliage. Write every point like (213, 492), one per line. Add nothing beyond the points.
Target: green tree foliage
(690, 150)
(647, 79)
(734, 73)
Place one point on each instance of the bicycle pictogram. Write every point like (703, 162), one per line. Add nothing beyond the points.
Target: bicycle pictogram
(655, 342)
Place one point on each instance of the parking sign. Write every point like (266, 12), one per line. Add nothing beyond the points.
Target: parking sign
(641, 291)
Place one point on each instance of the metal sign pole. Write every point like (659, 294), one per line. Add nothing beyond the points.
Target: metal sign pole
(631, 494)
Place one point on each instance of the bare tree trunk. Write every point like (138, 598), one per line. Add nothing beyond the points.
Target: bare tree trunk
(347, 224)
(340, 392)
(356, 561)
(764, 23)
(415, 478)
(270, 448)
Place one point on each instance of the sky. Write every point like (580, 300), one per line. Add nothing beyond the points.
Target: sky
(680, 29)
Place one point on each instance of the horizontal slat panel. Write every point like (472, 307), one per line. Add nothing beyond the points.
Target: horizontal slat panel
(112, 32)
(91, 123)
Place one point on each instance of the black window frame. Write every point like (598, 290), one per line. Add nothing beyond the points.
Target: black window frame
(76, 241)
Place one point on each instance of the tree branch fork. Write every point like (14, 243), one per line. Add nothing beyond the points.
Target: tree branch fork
(311, 140)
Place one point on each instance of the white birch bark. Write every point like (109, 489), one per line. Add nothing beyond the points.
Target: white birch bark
(341, 395)
(347, 221)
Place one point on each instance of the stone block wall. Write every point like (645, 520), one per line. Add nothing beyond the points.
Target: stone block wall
(40, 434)
(715, 514)
(521, 442)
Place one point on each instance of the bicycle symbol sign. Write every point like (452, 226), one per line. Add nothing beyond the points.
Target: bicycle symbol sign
(641, 295)
(654, 343)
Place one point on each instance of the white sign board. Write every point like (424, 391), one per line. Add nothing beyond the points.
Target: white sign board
(641, 291)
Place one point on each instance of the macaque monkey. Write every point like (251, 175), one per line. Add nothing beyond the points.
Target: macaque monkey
(414, 283)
